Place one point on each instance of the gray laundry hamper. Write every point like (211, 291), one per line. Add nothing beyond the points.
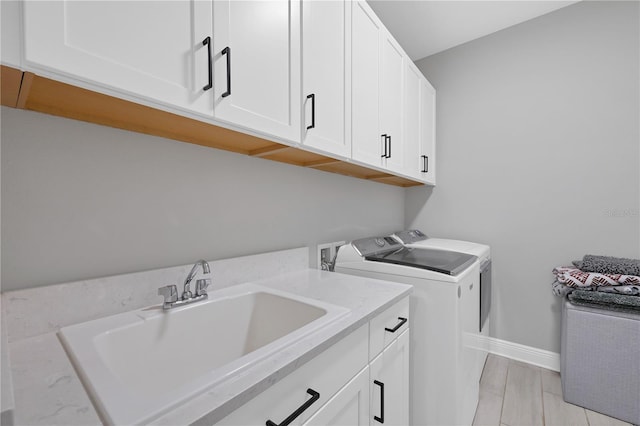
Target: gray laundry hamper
(600, 360)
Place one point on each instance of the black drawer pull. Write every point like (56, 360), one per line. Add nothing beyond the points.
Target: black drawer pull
(400, 324)
(385, 145)
(381, 418)
(313, 110)
(314, 397)
(207, 42)
(389, 156)
(227, 51)
(425, 163)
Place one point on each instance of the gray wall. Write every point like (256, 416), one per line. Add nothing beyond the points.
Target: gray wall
(81, 200)
(538, 154)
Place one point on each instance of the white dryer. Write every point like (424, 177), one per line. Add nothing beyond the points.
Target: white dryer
(444, 317)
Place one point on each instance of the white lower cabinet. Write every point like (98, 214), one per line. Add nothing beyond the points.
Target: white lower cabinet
(390, 384)
(350, 406)
(387, 326)
(295, 394)
(341, 386)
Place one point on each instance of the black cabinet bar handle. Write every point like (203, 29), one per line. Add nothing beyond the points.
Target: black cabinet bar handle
(207, 42)
(227, 51)
(400, 324)
(381, 418)
(313, 110)
(385, 146)
(425, 163)
(314, 397)
(389, 155)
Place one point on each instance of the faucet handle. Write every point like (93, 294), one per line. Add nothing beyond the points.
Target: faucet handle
(201, 286)
(170, 294)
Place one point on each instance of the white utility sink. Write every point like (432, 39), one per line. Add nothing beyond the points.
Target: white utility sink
(140, 364)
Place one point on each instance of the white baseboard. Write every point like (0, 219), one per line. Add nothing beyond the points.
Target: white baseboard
(518, 352)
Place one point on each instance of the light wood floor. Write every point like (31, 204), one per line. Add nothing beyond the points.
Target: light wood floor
(513, 393)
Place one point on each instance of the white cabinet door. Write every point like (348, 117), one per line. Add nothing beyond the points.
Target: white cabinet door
(427, 132)
(367, 141)
(419, 125)
(326, 82)
(350, 406)
(148, 49)
(413, 81)
(257, 65)
(377, 72)
(389, 384)
(391, 94)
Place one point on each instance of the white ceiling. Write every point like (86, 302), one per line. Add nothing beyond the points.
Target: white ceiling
(425, 27)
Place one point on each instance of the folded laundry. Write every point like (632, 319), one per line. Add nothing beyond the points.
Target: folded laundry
(608, 265)
(560, 289)
(574, 277)
(609, 301)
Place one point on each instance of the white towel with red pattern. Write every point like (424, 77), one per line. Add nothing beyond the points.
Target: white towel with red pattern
(573, 277)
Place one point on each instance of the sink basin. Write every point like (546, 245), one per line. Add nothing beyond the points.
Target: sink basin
(140, 364)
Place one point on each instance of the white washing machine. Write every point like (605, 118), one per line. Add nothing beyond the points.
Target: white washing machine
(443, 320)
(416, 238)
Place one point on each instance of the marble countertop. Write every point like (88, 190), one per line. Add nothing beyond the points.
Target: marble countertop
(48, 391)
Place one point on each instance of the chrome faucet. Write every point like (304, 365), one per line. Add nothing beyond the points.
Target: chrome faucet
(170, 292)
(186, 293)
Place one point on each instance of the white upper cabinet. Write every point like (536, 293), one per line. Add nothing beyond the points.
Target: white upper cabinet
(378, 96)
(236, 60)
(412, 120)
(367, 141)
(257, 65)
(325, 78)
(427, 132)
(419, 125)
(148, 49)
(391, 108)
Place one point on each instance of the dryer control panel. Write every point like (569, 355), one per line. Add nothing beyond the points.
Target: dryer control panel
(372, 245)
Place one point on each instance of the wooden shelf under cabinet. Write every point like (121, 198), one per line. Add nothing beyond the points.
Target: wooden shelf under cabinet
(25, 90)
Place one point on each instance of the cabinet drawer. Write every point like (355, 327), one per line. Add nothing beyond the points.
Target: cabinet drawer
(343, 361)
(387, 326)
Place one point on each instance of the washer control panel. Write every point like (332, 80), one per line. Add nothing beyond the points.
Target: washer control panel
(410, 236)
(371, 245)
